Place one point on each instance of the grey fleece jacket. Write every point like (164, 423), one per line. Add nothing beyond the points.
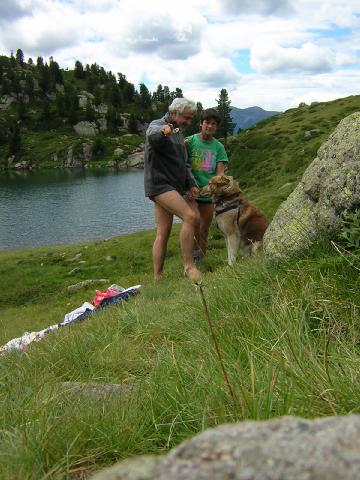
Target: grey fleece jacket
(165, 160)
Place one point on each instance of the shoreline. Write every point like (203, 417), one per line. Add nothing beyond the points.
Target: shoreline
(68, 244)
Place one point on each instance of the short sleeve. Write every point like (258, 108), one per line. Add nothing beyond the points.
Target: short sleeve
(221, 155)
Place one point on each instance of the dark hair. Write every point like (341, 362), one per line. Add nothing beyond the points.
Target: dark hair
(210, 114)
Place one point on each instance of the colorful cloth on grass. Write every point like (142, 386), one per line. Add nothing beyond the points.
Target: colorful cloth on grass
(111, 296)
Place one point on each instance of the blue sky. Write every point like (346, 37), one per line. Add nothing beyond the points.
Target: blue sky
(270, 53)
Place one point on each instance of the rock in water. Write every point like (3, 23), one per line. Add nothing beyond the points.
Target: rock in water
(330, 184)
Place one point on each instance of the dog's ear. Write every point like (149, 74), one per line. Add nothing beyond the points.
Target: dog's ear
(232, 187)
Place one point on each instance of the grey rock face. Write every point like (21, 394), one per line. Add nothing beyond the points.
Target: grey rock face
(24, 165)
(102, 122)
(136, 160)
(81, 158)
(288, 448)
(118, 152)
(86, 129)
(102, 109)
(6, 101)
(329, 185)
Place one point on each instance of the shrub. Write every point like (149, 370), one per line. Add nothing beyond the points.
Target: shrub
(349, 235)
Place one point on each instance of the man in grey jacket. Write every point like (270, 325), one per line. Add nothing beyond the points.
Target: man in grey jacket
(170, 184)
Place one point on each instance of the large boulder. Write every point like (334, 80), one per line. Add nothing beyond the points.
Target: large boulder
(330, 184)
(136, 160)
(86, 129)
(287, 448)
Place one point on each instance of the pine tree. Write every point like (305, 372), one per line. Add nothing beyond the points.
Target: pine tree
(60, 105)
(79, 70)
(145, 97)
(89, 112)
(132, 125)
(15, 140)
(98, 95)
(227, 126)
(19, 56)
(39, 62)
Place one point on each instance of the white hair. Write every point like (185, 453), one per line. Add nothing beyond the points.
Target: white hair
(179, 105)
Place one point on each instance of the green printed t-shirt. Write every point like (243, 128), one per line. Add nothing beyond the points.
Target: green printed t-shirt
(203, 157)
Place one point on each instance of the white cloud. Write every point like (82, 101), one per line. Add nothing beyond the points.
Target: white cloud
(10, 10)
(160, 33)
(290, 51)
(261, 7)
(272, 58)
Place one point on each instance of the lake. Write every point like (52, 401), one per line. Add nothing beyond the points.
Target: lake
(69, 206)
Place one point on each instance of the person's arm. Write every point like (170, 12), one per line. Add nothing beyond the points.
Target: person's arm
(190, 183)
(220, 168)
(221, 159)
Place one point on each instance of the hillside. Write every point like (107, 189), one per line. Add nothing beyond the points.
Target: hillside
(269, 158)
(52, 117)
(247, 117)
(289, 334)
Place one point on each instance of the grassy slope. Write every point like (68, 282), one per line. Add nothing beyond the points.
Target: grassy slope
(289, 336)
(269, 158)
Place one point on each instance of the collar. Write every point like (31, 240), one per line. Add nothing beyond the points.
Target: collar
(219, 209)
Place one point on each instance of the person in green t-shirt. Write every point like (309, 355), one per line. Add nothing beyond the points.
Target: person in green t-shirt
(207, 157)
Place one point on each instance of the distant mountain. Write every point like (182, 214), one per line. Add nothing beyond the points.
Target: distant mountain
(246, 117)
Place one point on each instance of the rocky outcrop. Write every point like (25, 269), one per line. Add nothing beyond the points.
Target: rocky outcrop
(287, 448)
(83, 98)
(6, 101)
(118, 152)
(102, 122)
(312, 213)
(24, 165)
(80, 158)
(136, 160)
(102, 109)
(86, 129)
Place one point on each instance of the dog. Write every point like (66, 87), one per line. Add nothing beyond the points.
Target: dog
(242, 224)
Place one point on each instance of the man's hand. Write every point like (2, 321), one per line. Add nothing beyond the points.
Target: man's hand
(167, 130)
(193, 193)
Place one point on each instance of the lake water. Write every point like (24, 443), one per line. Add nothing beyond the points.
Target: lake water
(68, 206)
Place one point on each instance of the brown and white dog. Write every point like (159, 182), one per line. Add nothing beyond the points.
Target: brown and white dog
(242, 224)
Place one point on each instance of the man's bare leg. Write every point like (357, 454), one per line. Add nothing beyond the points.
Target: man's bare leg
(174, 203)
(206, 211)
(164, 220)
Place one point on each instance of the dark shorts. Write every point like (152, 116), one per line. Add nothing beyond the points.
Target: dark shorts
(204, 200)
(166, 188)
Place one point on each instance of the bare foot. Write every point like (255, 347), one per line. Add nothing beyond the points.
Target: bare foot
(157, 277)
(193, 273)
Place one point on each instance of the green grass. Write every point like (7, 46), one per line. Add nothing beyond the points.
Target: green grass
(289, 335)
